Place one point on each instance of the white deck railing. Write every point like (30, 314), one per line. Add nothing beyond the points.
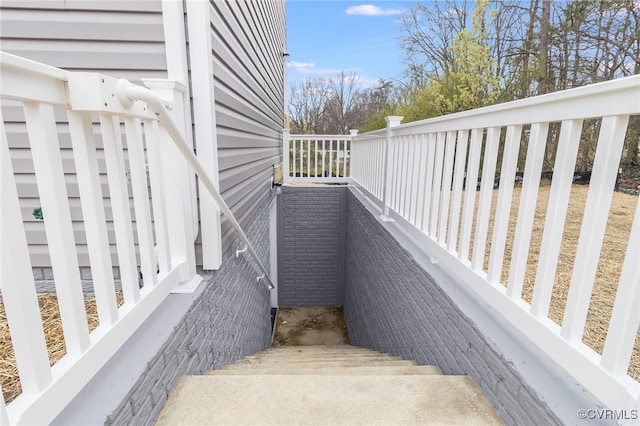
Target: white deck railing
(314, 158)
(417, 173)
(96, 111)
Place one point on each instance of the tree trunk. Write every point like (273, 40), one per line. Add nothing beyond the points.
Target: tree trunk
(543, 68)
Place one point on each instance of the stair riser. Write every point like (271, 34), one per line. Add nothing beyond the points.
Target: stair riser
(333, 371)
(300, 352)
(322, 358)
(334, 364)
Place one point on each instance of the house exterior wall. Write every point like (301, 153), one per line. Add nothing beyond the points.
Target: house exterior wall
(248, 40)
(311, 236)
(122, 39)
(227, 319)
(125, 39)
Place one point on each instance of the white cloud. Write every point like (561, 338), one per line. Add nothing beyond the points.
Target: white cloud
(310, 68)
(300, 64)
(372, 10)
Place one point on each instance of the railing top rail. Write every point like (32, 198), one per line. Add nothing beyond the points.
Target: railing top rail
(614, 97)
(27, 65)
(23, 79)
(319, 137)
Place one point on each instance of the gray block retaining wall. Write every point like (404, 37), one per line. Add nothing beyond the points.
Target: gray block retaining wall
(392, 304)
(227, 319)
(333, 250)
(311, 236)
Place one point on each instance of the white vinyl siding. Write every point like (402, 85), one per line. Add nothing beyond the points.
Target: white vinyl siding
(125, 39)
(121, 38)
(248, 40)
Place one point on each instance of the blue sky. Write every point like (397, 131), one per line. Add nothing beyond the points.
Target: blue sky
(325, 37)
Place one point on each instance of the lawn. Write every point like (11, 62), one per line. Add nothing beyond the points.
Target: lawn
(608, 273)
(53, 335)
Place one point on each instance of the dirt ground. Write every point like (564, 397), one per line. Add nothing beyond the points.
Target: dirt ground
(310, 326)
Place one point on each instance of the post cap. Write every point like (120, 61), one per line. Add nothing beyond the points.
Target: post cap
(393, 120)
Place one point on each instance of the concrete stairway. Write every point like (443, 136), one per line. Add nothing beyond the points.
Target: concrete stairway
(326, 385)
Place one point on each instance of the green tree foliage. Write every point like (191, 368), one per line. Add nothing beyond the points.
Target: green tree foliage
(462, 54)
(470, 80)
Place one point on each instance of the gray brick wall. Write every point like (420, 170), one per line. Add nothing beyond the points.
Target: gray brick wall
(392, 305)
(228, 320)
(45, 283)
(311, 238)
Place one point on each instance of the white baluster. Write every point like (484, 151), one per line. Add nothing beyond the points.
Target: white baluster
(470, 189)
(431, 141)
(122, 222)
(140, 192)
(594, 222)
(486, 194)
(503, 204)
(89, 186)
(527, 208)
(456, 200)
(45, 151)
(17, 285)
(405, 168)
(421, 158)
(437, 184)
(416, 173)
(447, 175)
(563, 169)
(625, 317)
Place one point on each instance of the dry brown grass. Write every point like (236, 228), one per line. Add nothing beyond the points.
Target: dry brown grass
(9, 379)
(609, 267)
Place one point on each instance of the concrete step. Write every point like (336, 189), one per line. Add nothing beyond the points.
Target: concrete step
(421, 370)
(306, 358)
(317, 347)
(315, 350)
(324, 400)
(340, 363)
(279, 352)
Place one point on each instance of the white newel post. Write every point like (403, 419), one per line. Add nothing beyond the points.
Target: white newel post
(176, 180)
(286, 177)
(199, 31)
(392, 121)
(177, 69)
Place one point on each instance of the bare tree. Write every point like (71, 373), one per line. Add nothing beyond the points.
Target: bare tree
(345, 106)
(430, 29)
(334, 105)
(307, 103)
